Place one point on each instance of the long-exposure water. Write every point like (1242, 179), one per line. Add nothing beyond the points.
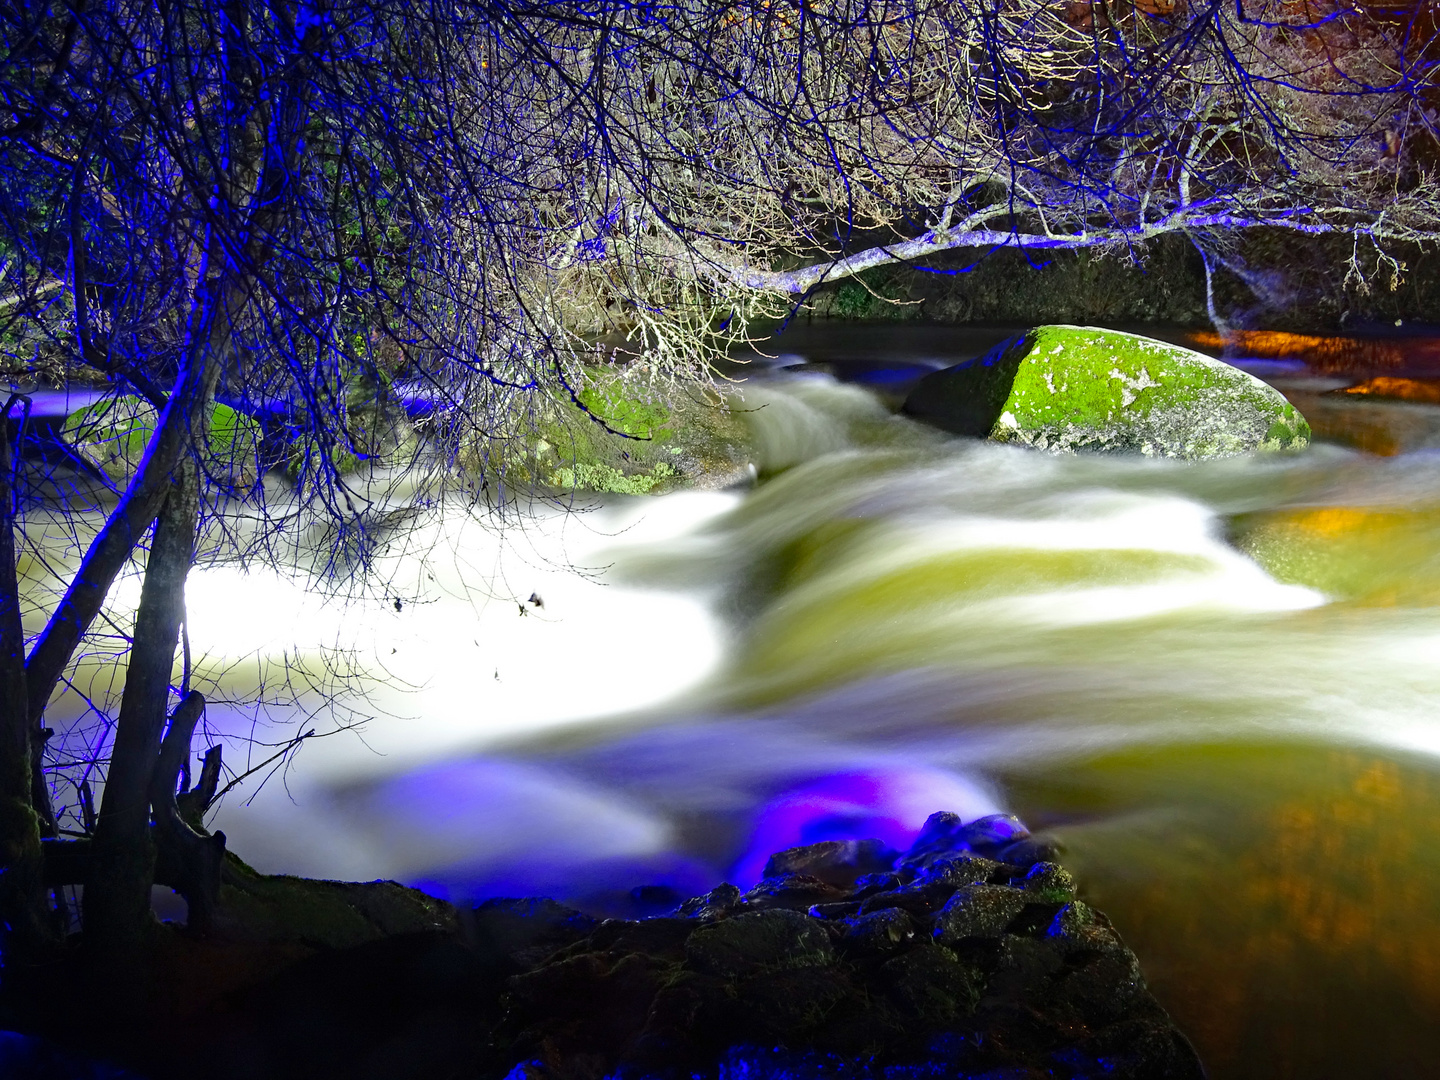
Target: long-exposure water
(1214, 682)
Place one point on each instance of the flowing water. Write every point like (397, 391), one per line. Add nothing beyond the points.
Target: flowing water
(1215, 683)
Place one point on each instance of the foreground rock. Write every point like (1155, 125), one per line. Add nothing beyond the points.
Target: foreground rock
(967, 955)
(1071, 388)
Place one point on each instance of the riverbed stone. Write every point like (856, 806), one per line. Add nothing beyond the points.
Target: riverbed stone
(1014, 977)
(881, 932)
(112, 434)
(624, 433)
(1048, 882)
(961, 869)
(757, 940)
(835, 862)
(1078, 388)
(982, 911)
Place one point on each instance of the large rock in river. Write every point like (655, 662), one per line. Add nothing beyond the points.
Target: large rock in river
(1067, 388)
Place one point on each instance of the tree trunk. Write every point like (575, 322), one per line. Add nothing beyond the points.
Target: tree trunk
(213, 317)
(117, 892)
(23, 910)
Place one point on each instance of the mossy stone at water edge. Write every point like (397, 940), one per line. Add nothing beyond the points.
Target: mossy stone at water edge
(112, 435)
(1074, 388)
(626, 438)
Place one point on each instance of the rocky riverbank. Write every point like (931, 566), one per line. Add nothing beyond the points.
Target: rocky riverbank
(970, 954)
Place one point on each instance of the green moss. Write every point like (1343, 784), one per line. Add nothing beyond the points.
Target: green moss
(597, 476)
(640, 446)
(613, 402)
(878, 293)
(1083, 388)
(112, 435)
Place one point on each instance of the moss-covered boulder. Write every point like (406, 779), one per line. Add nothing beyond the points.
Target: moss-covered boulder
(112, 435)
(1074, 388)
(625, 436)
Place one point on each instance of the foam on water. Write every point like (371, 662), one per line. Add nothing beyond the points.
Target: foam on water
(864, 639)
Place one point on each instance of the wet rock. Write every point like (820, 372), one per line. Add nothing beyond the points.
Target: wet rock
(759, 940)
(1049, 883)
(958, 870)
(654, 937)
(789, 1004)
(921, 900)
(954, 963)
(931, 986)
(589, 1006)
(873, 883)
(945, 835)
(1030, 850)
(523, 933)
(1135, 1050)
(880, 932)
(993, 832)
(716, 904)
(978, 911)
(835, 862)
(939, 837)
(841, 909)
(797, 892)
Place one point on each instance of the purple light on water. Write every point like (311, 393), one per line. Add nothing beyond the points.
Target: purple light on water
(888, 804)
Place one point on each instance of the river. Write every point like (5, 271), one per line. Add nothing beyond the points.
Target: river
(1215, 683)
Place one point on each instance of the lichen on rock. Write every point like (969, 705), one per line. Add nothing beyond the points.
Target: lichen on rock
(618, 435)
(1074, 388)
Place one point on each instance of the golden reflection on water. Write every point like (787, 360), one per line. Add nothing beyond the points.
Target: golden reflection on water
(1328, 353)
(1287, 916)
(1426, 391)
(1373, 556)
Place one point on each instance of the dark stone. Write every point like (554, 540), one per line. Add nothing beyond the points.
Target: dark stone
(880, 932)
(952, 965)
(971, 403)
(758, 940)
(993, 832)
(1049, 883)
(797, 892)
(716, 904)
(841, 909)
(978, 911)
(920, 899)
(835, 862)
(789, 1005)
(945, 835)
(873, 883)
(958, 870)
(1030, 850)
(930, 986)
(654, 937)
(1138, 1049)
(585, 1007)
(939, 837)
(522, 933)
